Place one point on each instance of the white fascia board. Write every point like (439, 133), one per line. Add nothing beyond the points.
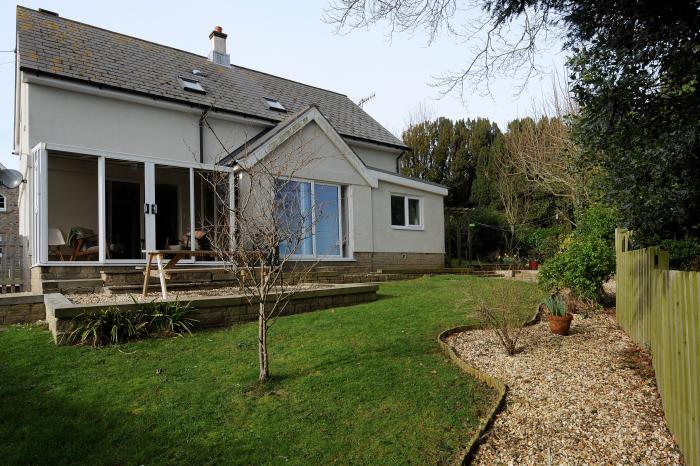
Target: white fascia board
(125, 96)
(410, 183)
(376, 146)
(311, 114)
(131, 157)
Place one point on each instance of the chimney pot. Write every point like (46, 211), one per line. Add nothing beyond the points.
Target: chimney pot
(218, 29)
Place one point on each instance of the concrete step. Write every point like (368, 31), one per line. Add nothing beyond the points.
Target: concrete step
(72, 285)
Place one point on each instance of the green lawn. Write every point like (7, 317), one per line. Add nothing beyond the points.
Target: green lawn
(356, 385)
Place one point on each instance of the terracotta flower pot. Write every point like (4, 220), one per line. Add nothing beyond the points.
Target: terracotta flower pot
(534, 264)
(559, 325)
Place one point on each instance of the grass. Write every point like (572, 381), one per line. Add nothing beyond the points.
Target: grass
(356, 385)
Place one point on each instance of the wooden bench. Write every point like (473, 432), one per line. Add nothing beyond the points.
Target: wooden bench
(164, 271)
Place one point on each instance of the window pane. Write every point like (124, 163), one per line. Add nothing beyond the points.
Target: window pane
(73, 210)
(173, 204)
(293, 207)
(211, 213)
(124, 188)
(398, 215)
(327, 220)
(413, 212)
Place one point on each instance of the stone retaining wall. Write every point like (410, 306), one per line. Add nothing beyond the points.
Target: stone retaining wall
(47, 279)
(217, 311)
(21, 308)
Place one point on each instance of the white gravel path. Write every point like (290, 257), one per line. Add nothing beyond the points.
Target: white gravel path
(572, 400)
(173, 294)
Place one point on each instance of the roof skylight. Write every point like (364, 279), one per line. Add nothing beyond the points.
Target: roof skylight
(274, 104)
(192, 85)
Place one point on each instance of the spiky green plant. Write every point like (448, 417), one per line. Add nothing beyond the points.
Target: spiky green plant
(113, 325)
(556, 305)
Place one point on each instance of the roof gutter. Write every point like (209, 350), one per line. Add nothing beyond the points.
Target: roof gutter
(371, 142)
(201, 136)
(398, 162)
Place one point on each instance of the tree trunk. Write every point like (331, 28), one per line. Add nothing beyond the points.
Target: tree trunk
(262, 344)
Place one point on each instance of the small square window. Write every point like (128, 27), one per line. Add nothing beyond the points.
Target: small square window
(406, 212)
(274, 104)
(3, 203)
(192, 85)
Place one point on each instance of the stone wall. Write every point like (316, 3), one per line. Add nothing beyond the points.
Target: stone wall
(394, 266)
(21, 308)
(9, 219)
(217, 311)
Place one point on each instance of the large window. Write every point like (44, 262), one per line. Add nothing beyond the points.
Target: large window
(406, 212)
(309, 219)
(72, 204)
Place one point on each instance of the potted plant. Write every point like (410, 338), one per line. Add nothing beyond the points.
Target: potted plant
(557, 315)
(534, 264)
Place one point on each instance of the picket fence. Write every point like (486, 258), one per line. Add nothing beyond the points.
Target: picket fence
(660, 309)
(11, 267)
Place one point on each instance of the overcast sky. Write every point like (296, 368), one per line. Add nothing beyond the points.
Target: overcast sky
(290, 40)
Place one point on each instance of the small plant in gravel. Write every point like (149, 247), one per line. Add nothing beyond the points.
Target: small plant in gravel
(504, 306)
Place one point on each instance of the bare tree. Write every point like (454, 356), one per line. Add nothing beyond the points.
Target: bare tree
(515, 194)
(501, 46)
(542, 150)
(270, 222)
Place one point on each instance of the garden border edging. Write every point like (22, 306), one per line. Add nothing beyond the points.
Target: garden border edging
(465, 455)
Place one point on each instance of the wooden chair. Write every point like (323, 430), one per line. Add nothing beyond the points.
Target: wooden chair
(81, 249)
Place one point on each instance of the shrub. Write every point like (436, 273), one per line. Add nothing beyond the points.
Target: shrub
(542, 243)
(587, 258)
(113, 326)
(504, 306)
(683, 254)
(583, 267)
(597, 222)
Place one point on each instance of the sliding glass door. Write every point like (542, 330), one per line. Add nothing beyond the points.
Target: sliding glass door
(173, 207)
(125, 197)
(327, 216)
(309, 219)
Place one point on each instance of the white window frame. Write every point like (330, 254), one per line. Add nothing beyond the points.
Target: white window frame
(314, 255)
(3, 208)
(40, 182)
(406, 225)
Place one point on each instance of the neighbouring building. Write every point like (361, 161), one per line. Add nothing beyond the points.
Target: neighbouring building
(109, 126)
(9, 214)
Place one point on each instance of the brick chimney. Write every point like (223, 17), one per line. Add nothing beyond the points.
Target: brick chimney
(218, 53)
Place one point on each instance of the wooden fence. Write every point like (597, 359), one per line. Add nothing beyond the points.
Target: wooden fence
(11, 267)
(660, 309)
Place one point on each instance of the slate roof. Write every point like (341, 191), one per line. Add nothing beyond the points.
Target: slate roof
(68, 49)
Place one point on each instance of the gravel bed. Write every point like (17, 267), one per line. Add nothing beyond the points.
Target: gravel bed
(175, 294)
(578, 399)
